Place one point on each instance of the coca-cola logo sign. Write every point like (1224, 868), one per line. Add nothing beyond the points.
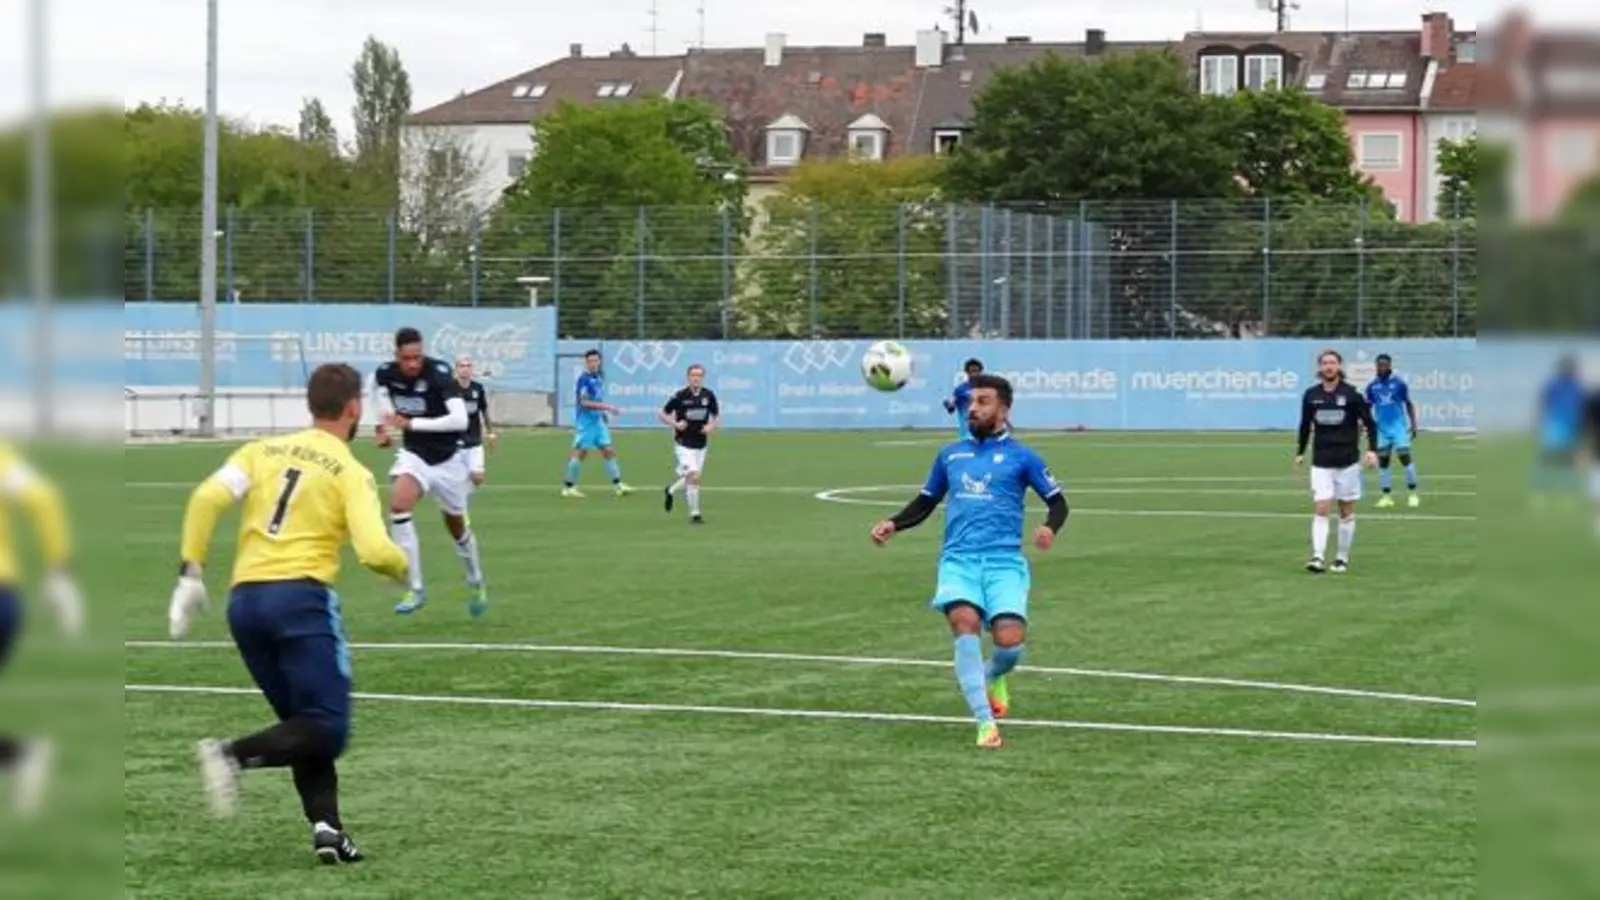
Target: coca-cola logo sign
(501, 343)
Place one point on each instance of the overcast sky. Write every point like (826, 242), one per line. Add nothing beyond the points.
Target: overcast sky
(276, 52)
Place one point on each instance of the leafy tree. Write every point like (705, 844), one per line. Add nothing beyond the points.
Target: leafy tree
(631, 208)
(316, 126)
(86, 193)
(843, 242)
(383, 100)
(1287, 145)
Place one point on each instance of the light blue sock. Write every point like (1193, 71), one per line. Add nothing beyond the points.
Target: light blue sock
(1003, 660)
(1411, 476)
(1385, 480)
(613, 470)
(969, 675)
(572, 471)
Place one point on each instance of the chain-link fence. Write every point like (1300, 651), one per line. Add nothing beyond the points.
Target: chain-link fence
(1139, 269)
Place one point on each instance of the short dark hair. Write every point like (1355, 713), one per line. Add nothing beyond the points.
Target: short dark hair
(1001, 386)
(1384, 357)
(407, 336)
(590, 352)
(972, 363)
(693, 366)
(330, 389)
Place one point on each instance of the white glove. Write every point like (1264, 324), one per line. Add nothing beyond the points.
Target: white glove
(188, 602)
(64, 595)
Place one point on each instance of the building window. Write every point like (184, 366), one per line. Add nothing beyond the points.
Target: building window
(624, 88)
(866, 145)
(1263, 72)
(1380, 152)
(527, 91)
(515, 163)
(946, 142)
(1316, 81)
(1467, 51)
(1574, 150)
(1219, 75)
(783, 148)
(1459, 128)
(614, 88)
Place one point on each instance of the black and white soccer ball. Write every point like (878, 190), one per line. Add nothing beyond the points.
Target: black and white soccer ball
(886, 366)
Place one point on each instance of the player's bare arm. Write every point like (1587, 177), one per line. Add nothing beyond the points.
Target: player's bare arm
(1370, 425)
(1411, 416)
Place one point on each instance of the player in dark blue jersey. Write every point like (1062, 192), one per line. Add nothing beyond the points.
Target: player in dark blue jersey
(983, 578)
(1560, 428)
(1396, 416)
(960, 399)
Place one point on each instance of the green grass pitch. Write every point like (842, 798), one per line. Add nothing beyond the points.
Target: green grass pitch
(567, 746)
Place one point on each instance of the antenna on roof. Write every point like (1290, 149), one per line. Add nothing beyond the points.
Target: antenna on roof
(965, 20)
(655, 25)
(700, 13)
(1281, 9)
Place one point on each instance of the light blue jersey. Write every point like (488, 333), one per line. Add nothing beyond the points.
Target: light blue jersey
(984, 484)
(1389, 398)
(1561, 408)
(592, 433)
(960, 401)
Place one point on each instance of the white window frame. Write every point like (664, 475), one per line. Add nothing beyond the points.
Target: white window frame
(1365, 158)
(1270, 63)
(605, 89)
(1219, 75)
(1358, 79)
(521, 91)
(516, 162)
(623, 89)
(1316, 81)
(775, 138)
(1457, 128)
(538, 91)
(1394, 80)
(869, 134)
(952, 135)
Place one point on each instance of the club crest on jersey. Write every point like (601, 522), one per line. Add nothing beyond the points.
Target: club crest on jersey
(975, 488)
(999, 457)
(420, 387)
(1339, 400)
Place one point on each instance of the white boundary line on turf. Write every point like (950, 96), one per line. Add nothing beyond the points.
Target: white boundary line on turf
(841, 715)
(773, 656)
(840, 495)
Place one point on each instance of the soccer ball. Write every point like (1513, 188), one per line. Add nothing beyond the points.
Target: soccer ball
(886, 366)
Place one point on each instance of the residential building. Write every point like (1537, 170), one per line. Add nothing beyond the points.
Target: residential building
(1451, 115)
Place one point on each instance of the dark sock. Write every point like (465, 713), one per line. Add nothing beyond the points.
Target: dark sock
(277, 746)
(318, 783)
(10, 751)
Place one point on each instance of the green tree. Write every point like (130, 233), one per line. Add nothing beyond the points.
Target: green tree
(633, 209)
(1287, 145)
(316, 126)
(383, 100)
(1458, 174)
(850, 248)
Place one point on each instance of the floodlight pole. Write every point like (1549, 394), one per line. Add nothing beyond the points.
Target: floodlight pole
(40, 226)
(208, 238)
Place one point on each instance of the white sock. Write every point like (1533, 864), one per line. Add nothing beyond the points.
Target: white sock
(1319, 536)
(1347, 534)
(405, 534)
(694, 499)
(467, 549)
(676, 486)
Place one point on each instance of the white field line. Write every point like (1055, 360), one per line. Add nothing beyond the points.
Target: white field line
(773, 656)
(841, 715)
(839, 495)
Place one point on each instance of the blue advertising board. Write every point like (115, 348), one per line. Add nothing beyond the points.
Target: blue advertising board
(512, 348)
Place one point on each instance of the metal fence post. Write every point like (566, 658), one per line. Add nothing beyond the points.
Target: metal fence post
(555, 259)
(900, 262)
(149, 253)
(638, 302)
(474, 257)
(1361, 272)
(392, 225)
(727, 268)
(1086, 250)
(1027, 275)
(1049, 274)
(811, 292)
(1266, 267)
(1455, 277)
(953, 272)
(1172, 271)
(985, 266)
(227, 252)
(308, 292)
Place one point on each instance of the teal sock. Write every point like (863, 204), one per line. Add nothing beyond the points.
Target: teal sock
(613, 470)
(572, 472)
(969, 675)
(1003, 661)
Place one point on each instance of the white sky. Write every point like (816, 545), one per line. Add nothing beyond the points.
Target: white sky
(276, 52)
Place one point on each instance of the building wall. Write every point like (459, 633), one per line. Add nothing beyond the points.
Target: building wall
(1397, 173)
(1437, 127)
(493, 147)
(1562, 153)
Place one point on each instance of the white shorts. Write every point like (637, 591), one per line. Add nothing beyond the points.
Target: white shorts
(689, 459)
(449, 482)
(474, 459)
(1336, 484)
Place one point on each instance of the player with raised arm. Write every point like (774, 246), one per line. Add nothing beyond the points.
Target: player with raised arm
(1396, 417)
(420, 397)
(693, 414)
(960, 399)
(303, 494)
(29, 759)
(591, 431)
(983, 578)
(480, 430)
(1332, 416)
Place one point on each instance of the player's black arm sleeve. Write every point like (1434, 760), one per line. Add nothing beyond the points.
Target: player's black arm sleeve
(1056, 512)
(1305, 428)
(915, 513)
(1371, 425)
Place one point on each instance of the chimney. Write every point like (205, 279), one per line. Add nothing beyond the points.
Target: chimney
(874, 39)
(1438, 34)
(1094, 42)
(575, 51)
(930, 49)
(1018, 39)
(774, 55)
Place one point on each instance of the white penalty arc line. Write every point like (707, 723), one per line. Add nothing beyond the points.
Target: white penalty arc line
(792, 489)
(884, 661)
(837, 715)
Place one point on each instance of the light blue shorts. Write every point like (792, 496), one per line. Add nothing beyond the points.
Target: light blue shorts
(997, 585)
(593, 436)
(1397, 438)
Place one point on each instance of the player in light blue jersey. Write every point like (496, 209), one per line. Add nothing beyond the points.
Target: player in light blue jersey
(960, 399)
(983, 577)
(1396, 417)
(591, 431)
(1560, 427)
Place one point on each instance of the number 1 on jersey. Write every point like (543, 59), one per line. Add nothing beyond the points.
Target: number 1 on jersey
(291, 480)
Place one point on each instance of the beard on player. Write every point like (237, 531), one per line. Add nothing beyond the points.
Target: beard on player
(986, 423)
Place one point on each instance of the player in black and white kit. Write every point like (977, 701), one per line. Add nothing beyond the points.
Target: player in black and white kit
(480, 430)
(419, 397)
(692, 414)
(1332, 416)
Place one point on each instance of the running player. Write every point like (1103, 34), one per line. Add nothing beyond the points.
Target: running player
(29, 760)
(1560, 429)
(480, 430)
(420, 398)
(592, 432)
(1332, 415)
(303, 495)
(960, 400)
(693, 414)
(983, 577)
(1390, 399)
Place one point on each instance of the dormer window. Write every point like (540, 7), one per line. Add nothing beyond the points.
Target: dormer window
(786, 140)
(1219, 75)
(868, 135)
(946, 141)
(527, 91)
(1263, 71)
(613, 89)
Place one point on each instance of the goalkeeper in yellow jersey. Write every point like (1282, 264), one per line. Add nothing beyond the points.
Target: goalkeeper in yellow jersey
(29, 759)
(302, 494)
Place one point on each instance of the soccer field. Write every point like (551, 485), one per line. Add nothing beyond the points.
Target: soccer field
(762, 707)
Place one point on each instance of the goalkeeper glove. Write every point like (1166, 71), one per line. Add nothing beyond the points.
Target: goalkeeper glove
(188, 600)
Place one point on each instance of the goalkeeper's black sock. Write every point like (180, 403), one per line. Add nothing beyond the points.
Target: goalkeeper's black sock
(281, 745)
(317, 781)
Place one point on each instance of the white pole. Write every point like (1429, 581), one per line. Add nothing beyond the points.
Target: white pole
(41, 254)
(208, 238)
